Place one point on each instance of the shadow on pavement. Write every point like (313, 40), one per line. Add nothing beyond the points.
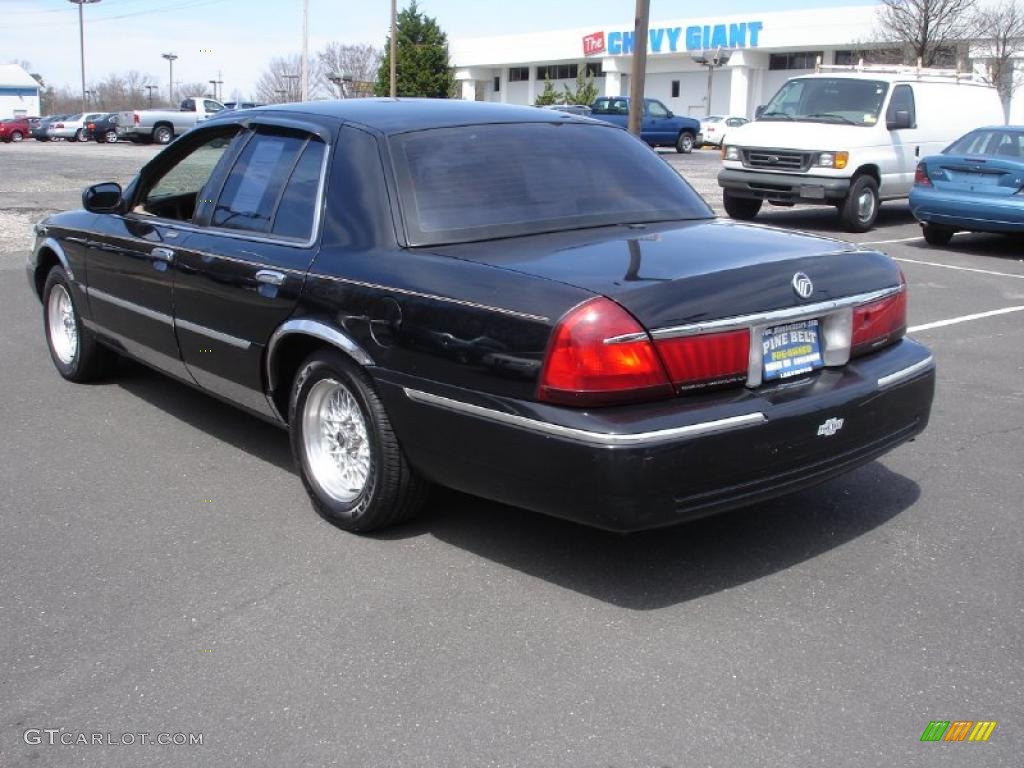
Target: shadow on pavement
(655, 569)
(640, 571)
(206, 413)
(823, 219)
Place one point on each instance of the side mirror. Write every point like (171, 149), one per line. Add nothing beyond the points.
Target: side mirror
(758, 112)
(899, 121)
(670, 114)
(102, 198)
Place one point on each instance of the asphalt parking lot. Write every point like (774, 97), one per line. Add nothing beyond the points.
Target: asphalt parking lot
(161, 571)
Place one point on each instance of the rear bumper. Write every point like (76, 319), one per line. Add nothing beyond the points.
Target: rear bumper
(783, 187)
(640, 467)
(974, 213)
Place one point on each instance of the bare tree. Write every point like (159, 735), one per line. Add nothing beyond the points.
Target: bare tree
(928, 29)
(358, 62)
(999, 35)
(280, 80)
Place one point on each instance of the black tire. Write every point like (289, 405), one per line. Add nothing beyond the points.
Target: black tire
(936, 234)
(42, 138)
(685, 143)
(17, 136)
(79, 135)
(110, 137)
(163, 134)
(860, 208)
(742, 208)
(91, 360)
(391, 491)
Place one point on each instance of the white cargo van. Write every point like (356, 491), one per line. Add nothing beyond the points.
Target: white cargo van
(849, 137)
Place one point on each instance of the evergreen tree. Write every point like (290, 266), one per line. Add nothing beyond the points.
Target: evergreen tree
(422, 60)
(549, 95)
(585, 91)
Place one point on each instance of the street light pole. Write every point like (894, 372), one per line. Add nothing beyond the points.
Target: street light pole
(151, 88)
(170, 78)
(291, 85)
(394, 47)
(81, 44)
(305, 51)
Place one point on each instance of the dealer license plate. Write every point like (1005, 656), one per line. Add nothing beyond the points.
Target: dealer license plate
(791, 349)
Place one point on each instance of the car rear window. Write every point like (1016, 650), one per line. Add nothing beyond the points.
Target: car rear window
(997, 142)
(488, 181)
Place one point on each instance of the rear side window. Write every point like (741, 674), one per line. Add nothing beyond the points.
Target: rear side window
(272, 186)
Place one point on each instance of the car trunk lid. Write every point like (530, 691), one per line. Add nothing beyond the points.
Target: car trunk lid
(994, 176)
(691, 272)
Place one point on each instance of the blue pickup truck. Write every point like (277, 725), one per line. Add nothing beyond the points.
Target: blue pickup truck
(659, 128)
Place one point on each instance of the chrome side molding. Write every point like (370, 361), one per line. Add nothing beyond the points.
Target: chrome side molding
(582, 435)
(906, 373)
(318, 330)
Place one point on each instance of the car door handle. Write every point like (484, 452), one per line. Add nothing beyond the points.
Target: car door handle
(163, 254)
(270, 277)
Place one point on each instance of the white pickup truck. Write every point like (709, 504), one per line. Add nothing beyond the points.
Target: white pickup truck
(162, 125)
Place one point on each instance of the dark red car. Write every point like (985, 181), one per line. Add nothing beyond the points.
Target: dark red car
(14, 129)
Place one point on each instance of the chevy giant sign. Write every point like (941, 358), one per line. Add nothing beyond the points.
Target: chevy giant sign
(674, 39)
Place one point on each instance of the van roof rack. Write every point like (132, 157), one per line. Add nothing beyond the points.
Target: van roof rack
(901, 69)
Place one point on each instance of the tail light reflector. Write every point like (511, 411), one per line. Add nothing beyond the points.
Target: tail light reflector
(921, 177)
(880, 323)
(135, 118)
(706, 359)
(581, 368)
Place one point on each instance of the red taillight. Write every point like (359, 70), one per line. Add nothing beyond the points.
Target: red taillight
(135, 118)
(711, 358)
(91, 126)
(881, 322)
(921, 176)
(581, 369)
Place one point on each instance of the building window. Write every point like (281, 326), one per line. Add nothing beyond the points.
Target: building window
(675, 89)
(497, 84)
(796, 60)
(558, 72)
(595, 69)
(871, 56)
(518, 74)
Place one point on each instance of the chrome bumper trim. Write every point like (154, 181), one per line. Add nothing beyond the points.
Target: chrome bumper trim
(603, 439)
(906, 373)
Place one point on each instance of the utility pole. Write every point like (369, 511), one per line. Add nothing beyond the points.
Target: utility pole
(151, 88)
(305, 51)
(394, 47)
(638, 71)
(81, 45)
(170, 79)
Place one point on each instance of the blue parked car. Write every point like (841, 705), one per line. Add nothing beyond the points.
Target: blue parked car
(659, 127)
(976, 184)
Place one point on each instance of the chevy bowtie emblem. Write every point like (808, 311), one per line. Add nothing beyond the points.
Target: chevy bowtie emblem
(802, 285)
(773, 159)
(830, 427)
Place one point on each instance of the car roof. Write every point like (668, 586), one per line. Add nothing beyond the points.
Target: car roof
(403, 115)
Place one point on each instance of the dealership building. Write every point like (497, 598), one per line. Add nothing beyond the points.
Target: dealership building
(19, 92)
(763, 50)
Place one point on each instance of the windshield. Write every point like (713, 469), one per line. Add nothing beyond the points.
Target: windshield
(987, 141)
(828, 100)
(481, 182)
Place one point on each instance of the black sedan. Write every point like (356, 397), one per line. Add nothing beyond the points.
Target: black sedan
(459, 293)
(103, 129)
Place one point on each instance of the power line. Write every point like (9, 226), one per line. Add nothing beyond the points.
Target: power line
(186, 5)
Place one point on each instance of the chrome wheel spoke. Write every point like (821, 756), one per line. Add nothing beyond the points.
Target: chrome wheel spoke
(335, 440)
(60, 318)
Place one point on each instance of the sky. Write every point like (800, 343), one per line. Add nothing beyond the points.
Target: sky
(238, 37)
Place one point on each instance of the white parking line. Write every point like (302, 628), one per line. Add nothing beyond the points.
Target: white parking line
(962, 269)
(963, 319)
(897, 240)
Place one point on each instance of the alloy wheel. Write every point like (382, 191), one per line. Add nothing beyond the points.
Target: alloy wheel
(63, 326)
(336, 440)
